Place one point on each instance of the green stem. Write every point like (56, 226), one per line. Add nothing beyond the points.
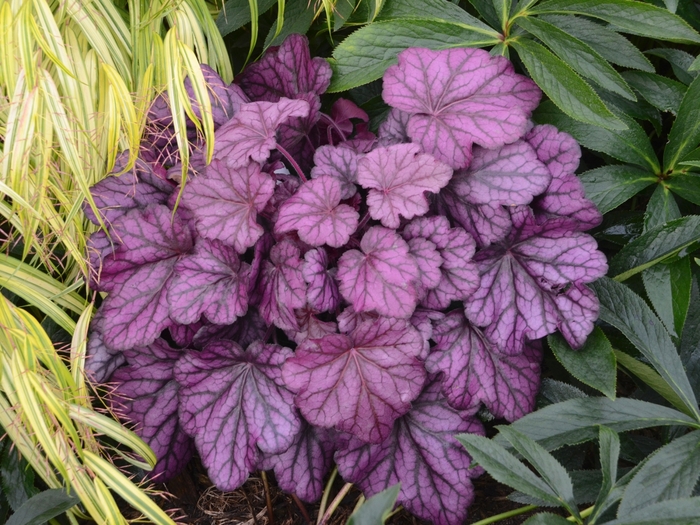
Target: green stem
(326, 493)
(334, 504)
(506, 515)
(584, 513)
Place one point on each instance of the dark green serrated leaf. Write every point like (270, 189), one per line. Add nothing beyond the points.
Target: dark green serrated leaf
(505, 468)
(376, 510)
(236, 14)
(298, 15)
(680, 62)
(341, 13)
(669, 474)
(685, 133)
(612, 46)
(587, 485)
(675, 512)
(661, 208)
(610, 186)
(578, 55)
(661, 92)
(17, 478)
(629, 16)
(670, 240)
(690, 340)
(545, 518)
(486, 10)
(564, 87)
(685, 185)
(695, 66)
(438, 10)
(640, 110)
(553, 391)
(44, 506)
(668, 289)
(626, 311)
(630, 145)
(503, 9)
(578, 420)
(609, 451)
(367, 53)
(594, 364)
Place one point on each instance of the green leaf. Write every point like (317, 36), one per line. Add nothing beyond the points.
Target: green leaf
(342, 11)
(680, 62)
(594, 364)
(652, 379)
(564, 87)
(673, 239)
(551, 471)
(17, 478)
(674, 512)
(503, 9)
(628, 16)
(661, 208)
(44, 506)
(609, 445)
(640, 110)
(668, 289)
(438, 10)
(612, 185)
(695, 66)
(236, 14)
(587, 485)
(553, 391)
(612, 46)
(578, 55)
(669, 474)
(579, 420)
(376, 510)
(545, 518)
(505, 468)
(685, 185)
(685, 132)
(661, 92)
(369, 51)
(486, 10)
(630, 145)
(298, 15)
(626, 311)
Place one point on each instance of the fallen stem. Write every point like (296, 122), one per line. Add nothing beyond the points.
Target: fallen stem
(506, 515)
(302, 508)
(335, 503)
(293, 162)
(326, 492)
(268, 499)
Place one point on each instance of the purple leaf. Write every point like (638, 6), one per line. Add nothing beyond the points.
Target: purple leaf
(577, 309)
(316, 214)
(343, 113)
(558, 150)
(394, 130)
(251, 134)
(210, 281)
(234, 404)
(457, 97)
(101, 360)
(339, 162)
(301, 135)
(310, 326)
(361, 382)
(301, 468)
(487, 223)
(147, 394)
(225, 203)
(322, 291)
(99, 247)
(283, 287)
(286, 71)
(244, 331)
(136, 309)
(429, 261)
(424, 456)
(136, 188)
(423, 321)
(521, 278)
(349, 319)
(183, 334)
(382, 277)
(474, 372)
(399, 177)
(225, 100)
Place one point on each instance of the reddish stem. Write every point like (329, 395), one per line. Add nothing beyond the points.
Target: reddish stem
(293, 162)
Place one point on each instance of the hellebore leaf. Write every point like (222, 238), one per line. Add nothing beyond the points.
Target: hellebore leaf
(382, 277)
(474, 372)
(398, 177)
(286, 71)
(315, 212)
(361, 382)
(251, 134)
(421, 453)
(301, 468)
(146, 393)
(521, 279)
(322, 291)
(394, 130)
(225, 202)
(137, 188)
(282, 285)
(210, 281)
(234, 404)
(339, 162)
(136, 309)
(458, 97)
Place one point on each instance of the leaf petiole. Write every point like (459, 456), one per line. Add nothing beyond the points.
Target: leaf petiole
(506, 515)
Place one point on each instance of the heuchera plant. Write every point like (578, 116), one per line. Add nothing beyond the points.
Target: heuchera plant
(322, 294)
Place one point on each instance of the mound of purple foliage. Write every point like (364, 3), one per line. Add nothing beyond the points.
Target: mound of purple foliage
(322, 294)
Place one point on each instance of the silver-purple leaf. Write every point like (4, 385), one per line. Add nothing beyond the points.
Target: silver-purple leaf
(244, 331)
(210, 281)
(487, 223)
(225, 99)
(251, 134)
(225, 203)
(339, 162)
(282, 286)
(361, 382)
(474, 372)
(322, 291)
(421, 453)
(457, 97)
(429, 261)
(394, 129)
(310, 326)
(234, 404)
(316, 214)
(100, 360)
(382, 277)
(398, 177)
